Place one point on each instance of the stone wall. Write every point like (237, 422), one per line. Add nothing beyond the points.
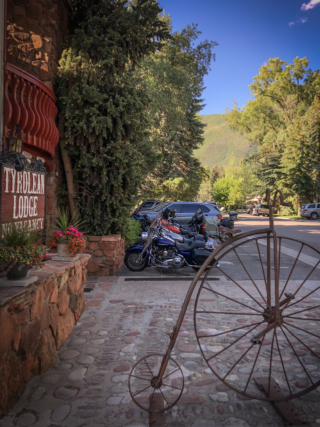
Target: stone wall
(35, 321)
(107, 254)
(35, 33)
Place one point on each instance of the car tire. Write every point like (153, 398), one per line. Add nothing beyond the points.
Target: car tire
(314, 216)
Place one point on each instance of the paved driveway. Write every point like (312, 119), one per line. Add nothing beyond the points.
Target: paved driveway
(123, 321)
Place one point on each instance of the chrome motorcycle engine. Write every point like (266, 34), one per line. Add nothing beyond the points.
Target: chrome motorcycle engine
(169, 258)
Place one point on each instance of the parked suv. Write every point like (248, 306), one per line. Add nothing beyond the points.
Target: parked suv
(261, 210)
(148, 204)
(186, 210)
(310, 211)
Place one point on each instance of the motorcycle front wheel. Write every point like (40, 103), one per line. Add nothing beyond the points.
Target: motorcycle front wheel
(130, 262)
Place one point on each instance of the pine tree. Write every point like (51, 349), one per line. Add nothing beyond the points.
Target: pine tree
(103, 103)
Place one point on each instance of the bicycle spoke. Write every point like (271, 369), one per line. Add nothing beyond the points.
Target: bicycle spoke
(148, 367)
(301, 311)
(303, 318)
(247, 293)
(305, 281)
(140, 378)
(141, 391)
(167, 385)
(261, 262)
(283, 368)
(304, 330)
(301, 342)
(170, 373)
(295, 262)
(255, 361)
(302, 365)
(232, 368)
(226, 332)
(238, 339)
(164, 397)
(252, 281)
(227, 312)
(270, 366)
(238, 302)
(297, 302)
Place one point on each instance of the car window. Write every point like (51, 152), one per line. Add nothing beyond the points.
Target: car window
(190, 208)
(205, 209)
(318, 206)
(147, 205)
(265, 206)
(176, 206)
(303, 206)
(160, 207)
(216, 208)
(311, 206)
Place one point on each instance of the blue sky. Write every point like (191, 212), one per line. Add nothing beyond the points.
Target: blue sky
(249, 32)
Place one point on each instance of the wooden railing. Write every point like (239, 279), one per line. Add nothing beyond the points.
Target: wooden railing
(31, 104)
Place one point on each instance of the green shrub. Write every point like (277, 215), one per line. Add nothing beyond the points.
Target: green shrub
(132, 231)
(287, 210)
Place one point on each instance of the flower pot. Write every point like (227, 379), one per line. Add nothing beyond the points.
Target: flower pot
(62, 250)
(18, 272)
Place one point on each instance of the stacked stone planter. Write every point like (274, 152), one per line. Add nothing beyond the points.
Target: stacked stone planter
(107, 254)
(35, 321)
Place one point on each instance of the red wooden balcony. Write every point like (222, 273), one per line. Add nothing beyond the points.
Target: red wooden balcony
(31, 104)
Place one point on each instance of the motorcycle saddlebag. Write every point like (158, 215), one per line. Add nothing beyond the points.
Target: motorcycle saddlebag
(225, 222)
(199, 256)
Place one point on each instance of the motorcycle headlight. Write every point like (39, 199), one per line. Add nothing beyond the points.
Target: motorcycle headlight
(144, 236)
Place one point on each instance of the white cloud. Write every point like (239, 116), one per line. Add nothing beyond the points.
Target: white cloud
(298, 21)
(310, 5)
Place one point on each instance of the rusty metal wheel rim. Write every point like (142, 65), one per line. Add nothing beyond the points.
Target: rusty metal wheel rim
(152, 380)
(288, 330)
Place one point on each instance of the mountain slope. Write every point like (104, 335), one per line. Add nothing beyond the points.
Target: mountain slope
(220, 142)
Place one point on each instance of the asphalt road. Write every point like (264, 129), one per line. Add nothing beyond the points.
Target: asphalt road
(304, 230)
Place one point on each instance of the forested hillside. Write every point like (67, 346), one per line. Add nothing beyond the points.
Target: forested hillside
(220, 142)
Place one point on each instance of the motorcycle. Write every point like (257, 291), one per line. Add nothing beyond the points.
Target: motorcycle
(161, 250)
(192, 230)
(223, 227)
(144, 220)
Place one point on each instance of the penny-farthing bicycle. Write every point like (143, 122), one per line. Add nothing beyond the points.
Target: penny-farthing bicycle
(261, 319)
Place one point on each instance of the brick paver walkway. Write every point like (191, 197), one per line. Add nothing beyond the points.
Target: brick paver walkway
(124, 321)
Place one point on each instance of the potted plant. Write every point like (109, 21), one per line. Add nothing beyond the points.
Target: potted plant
(66, 237)
(19, 252)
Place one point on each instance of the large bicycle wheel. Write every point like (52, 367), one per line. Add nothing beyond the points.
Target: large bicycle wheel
(232, 312)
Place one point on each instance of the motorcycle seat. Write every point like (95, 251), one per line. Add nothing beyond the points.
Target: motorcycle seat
(196, 236)
(187, 247)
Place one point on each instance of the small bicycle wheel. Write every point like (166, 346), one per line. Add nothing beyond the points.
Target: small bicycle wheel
(231, 312)
(143, 384)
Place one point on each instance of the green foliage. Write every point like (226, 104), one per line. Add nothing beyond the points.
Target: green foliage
(64, 221)
(174, 78)
(276, 121)
(219, 141)
(181, 188)
(132, 231)
(104, 103)
(17, 236)
(300, 164)
(238, 180)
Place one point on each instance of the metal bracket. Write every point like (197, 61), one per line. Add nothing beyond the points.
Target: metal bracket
(285, 409)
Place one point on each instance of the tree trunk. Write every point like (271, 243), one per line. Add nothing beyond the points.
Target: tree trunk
(67, 168)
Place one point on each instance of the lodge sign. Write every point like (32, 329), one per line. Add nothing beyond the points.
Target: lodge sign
(22, 199)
